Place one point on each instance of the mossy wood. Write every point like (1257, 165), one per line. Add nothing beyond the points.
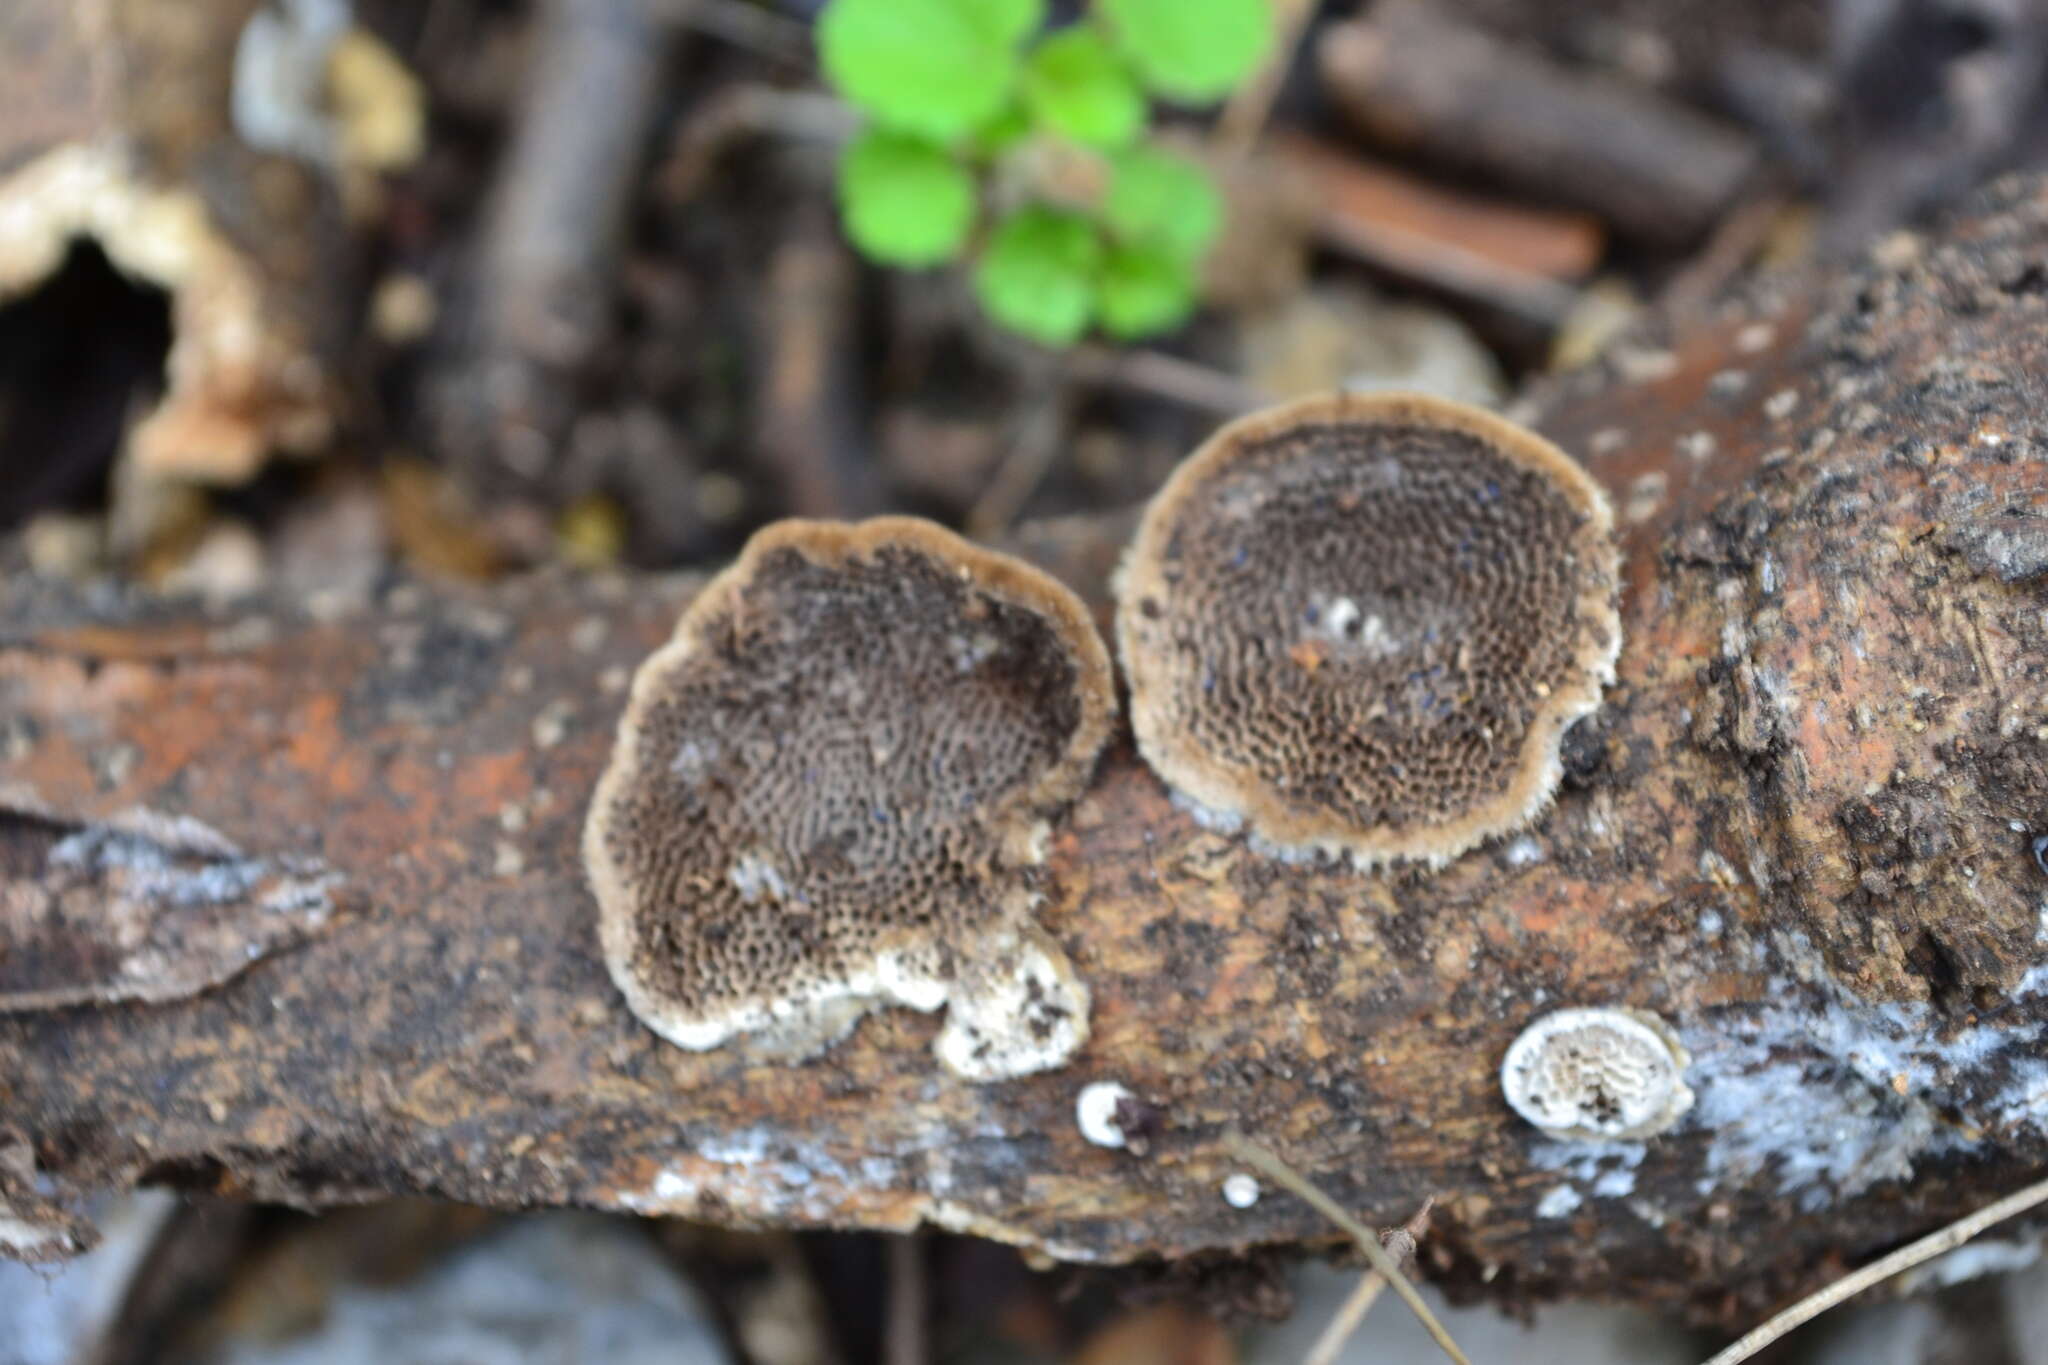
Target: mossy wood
(1800, 831)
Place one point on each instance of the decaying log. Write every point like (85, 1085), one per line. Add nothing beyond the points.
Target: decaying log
(118, 125)
(1801, 831)
(1413, 78)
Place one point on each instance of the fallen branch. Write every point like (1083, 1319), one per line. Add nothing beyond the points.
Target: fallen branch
(1799, 830)
(808, 437)
(1509, 256)
(504, 391)
(1412, 76)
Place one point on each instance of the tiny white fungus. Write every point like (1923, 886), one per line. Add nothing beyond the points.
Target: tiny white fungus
(1240, 1191)
(1095, 1111)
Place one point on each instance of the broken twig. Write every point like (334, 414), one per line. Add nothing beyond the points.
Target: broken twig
(1383, 1264)
(1244, 117)
(909, 1302)
(1905, 1258)
(1414, 78)
(1159, 375)
(1506, 255)
(1400, 1244)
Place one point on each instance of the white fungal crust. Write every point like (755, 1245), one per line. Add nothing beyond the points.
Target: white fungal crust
(1021, 1011)
(1095, 1110)
(826, 790)
(1598, 1074)
(1363, 623)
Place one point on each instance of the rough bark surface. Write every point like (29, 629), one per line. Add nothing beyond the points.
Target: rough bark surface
(1801, 831)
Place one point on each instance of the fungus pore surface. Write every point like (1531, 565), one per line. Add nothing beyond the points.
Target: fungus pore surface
(1597, 1073)
(829, 787)
(1362, 624)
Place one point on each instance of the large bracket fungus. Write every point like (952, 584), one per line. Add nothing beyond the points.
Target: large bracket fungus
(828, 791)
(1362, 624)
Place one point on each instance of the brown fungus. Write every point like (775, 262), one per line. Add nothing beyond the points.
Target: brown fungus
(1361, 625)
(828, 788)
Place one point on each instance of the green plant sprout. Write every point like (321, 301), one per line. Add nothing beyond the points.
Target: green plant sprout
(1027, 150)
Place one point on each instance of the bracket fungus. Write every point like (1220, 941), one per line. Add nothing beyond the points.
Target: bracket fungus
(1361, 624)
(828, 791)
(1598, 1073)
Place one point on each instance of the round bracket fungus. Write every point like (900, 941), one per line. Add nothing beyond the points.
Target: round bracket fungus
(1361, 624)
(828, 790)
(1598, 1073)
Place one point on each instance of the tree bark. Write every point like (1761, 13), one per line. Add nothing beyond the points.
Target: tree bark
(1801, 830)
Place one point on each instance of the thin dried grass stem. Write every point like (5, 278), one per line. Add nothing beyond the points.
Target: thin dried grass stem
(1905, 1258)
(1257, 1157)
(1345, 1322)
(1400, 1244)
(1244, 117)
(907, 1340)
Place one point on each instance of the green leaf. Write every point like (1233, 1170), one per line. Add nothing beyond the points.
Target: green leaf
(1037, 275)
(936, 67)
(1010, 126)
(1077, 88)
(1166, 200)
(1145, 291)
(904, 200)
(1192, 50)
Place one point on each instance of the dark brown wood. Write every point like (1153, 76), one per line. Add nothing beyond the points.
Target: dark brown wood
(808, 437)
(1503, 254)
(1800, 830)
(1415, 79)
(506, 387)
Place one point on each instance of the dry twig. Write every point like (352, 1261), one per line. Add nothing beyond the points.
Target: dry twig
(739, 112)
(1252, 1154)
(804, 427)
(1244, 117)
(909, 1302)
(1731, 248)
(1159, 375)
(435, 747)
(1905, 1258)
(1400, 1244)
(1036, 437)
(755, 28)
(1413, 77)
